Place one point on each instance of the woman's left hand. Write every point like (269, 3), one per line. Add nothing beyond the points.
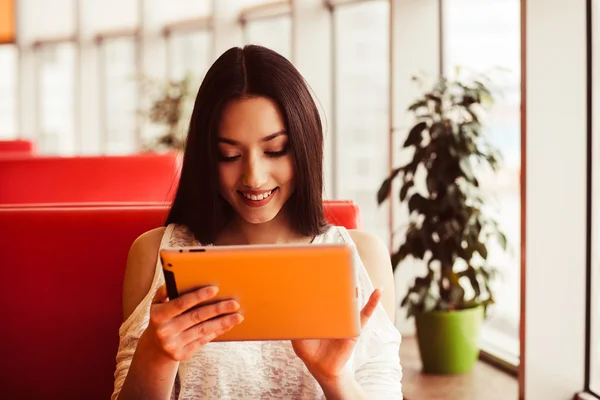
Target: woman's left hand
(325, 358)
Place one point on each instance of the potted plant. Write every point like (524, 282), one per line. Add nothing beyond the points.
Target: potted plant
(449, 228)
(170, 107)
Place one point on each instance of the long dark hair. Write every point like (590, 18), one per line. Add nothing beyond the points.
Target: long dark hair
(246, 72)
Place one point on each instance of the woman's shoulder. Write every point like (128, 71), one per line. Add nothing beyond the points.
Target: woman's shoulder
(140, 268)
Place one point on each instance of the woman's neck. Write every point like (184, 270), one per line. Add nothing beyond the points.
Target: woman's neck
(276, 231)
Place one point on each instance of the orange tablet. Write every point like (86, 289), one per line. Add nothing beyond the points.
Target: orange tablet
(285, 291)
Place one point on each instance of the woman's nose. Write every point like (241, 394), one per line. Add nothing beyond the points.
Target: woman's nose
(254, 175)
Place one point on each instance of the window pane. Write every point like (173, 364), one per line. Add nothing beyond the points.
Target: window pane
(362, 108)
(189, 54)
(100, 16)
(161, 12)
(250, 3)
(8, 91)
(56, 69)
(120, 95)
(274, 33)
(34, 23)
(484, 37)
(595, 295)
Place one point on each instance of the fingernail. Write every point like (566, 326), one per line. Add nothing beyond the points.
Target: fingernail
(212, 290)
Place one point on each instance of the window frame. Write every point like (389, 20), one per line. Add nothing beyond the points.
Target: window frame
(593, 218)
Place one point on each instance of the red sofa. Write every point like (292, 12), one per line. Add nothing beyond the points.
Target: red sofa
(62, 280)
(16, 146)
(139, 178)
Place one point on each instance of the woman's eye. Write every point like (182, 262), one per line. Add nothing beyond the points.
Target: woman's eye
(275, 154)
(223, 158)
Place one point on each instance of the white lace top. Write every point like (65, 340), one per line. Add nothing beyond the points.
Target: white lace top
(269, 369)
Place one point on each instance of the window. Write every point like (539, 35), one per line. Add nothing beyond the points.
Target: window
(119, 99)
(484, 37)
(361, 108)
(160, 12)
(189, 54)
(8, 91)
(34, 22)
(56, 98)
(274, 33)
(594, 378)
(100, 16)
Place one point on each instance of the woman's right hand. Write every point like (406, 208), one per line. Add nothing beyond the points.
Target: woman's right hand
(178, 328)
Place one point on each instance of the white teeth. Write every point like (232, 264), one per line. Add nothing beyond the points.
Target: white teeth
(259, 197)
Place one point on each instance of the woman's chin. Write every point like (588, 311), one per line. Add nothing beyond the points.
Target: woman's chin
(259, 217)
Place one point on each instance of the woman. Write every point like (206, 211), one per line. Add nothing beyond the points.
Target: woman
(252, 174)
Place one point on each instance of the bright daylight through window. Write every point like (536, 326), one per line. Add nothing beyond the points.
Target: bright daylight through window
(484, 38)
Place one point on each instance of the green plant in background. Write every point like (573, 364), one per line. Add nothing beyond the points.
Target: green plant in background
(169, 106)
(449, 228)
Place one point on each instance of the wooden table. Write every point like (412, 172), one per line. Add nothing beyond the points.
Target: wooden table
(484, 382)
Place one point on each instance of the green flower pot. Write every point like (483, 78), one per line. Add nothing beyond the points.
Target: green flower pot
(448, 341)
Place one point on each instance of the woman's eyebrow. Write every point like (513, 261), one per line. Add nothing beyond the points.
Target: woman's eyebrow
(265, 139)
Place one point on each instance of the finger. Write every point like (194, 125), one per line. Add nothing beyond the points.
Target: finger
(213, 326)
(204, 313)
(370, 307)
(191, 348)
(176, 307)
(160, 296)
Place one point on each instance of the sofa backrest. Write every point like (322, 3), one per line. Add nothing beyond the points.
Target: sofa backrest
(138, 178)
(62, 274)
(16, 146)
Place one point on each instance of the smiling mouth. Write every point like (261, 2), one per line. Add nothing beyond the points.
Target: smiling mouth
(258, 197)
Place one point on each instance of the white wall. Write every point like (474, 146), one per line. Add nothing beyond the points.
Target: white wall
(555, 125)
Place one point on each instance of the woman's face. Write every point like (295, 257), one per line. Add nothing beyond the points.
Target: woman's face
(256, 172)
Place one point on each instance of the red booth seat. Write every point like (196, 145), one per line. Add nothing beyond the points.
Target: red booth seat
(139, 178)
(16, 146)
(62, 274)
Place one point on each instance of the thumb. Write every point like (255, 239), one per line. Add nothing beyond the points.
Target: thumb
(369, 308)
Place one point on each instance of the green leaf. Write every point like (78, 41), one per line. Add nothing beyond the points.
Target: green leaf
(502, 240)
(415, 135)
(418, 203)
(472, 275)
(386, 186)
(432, 184)
(418, 104)
(404, 190)
(482, 250)
(396, 258)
